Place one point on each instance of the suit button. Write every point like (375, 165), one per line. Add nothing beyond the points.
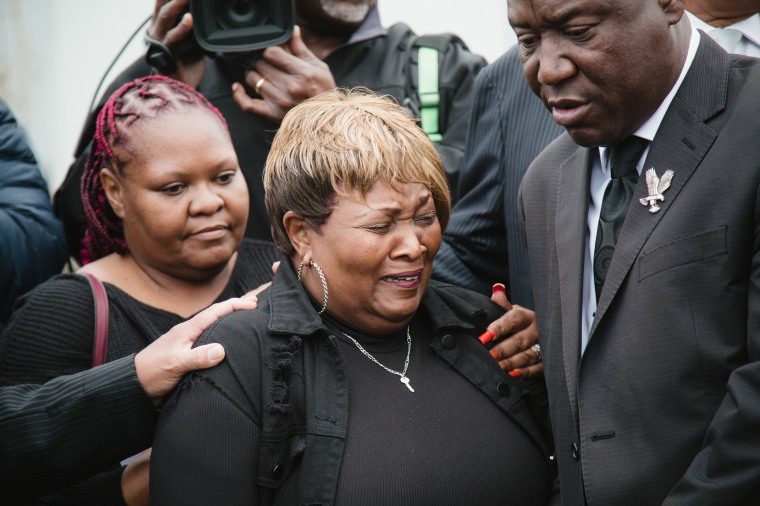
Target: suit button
(448, 342)
(575, 452)
(503, 389)
(277, 472)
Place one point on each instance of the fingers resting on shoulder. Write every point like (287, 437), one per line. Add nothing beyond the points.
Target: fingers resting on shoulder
(162, 364)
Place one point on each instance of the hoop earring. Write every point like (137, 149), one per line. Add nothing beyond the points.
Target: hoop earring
(321, 278)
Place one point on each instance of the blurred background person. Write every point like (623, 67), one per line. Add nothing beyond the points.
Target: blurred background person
(510, 126)
(357, 380)
(167, 205)
(32, 244)
(734, 24)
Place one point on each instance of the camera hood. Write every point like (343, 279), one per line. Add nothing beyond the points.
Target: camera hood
(232, 26)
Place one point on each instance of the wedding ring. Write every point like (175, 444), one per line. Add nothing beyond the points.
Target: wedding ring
(259, 83)
(536, 348)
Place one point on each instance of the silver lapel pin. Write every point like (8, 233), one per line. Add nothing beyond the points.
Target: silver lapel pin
(656, 186)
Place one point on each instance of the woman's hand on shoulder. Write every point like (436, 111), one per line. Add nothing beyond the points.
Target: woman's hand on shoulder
(161, 365)
(514, 352)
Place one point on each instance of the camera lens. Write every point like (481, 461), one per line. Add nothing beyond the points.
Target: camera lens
(240, 13)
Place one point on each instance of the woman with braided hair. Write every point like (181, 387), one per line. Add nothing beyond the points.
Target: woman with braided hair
(166, 205)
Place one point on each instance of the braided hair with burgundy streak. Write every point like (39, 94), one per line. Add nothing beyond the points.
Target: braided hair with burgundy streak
(127, 109)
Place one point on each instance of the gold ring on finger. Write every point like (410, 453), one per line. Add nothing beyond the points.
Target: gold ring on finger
(258, 86)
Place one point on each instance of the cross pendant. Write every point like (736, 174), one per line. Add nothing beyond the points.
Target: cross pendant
(405, 381)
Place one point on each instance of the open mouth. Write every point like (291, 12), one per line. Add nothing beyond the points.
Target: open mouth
(404, 280)
(567, 111)
(569, 116)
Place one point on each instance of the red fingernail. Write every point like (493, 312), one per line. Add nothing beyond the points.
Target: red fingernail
(515, 373)
(487, 336)
(498, 287)
(495, 354)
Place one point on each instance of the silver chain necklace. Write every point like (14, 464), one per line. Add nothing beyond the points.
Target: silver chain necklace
(404, 379)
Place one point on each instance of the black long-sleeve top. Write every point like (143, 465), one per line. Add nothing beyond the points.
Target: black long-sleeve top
(51, 334)
(71, 427)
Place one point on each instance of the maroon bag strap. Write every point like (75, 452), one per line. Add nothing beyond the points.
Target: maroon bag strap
(101, 320)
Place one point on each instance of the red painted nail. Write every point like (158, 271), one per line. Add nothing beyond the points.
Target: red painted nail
(498, 287)
(495, 354)
(487, 336)
(515, 373)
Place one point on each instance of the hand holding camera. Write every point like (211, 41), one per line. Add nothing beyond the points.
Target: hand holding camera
(173, 50)
(285, 72)
(283, 76)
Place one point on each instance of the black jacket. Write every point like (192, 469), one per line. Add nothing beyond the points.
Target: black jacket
(304, 390)
(32, 246)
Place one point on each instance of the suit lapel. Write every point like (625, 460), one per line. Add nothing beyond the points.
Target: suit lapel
(681, 142)
(570, 217)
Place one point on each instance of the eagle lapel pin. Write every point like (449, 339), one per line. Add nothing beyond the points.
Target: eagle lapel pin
(656, 186)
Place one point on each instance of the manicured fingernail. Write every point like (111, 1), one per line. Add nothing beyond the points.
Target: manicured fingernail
(487, 336)
(515, 373)
(495, 354)
(498, 287)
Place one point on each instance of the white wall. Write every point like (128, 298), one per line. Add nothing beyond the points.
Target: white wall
(53, 54)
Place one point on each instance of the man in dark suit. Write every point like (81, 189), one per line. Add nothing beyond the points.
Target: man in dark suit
(647, 289)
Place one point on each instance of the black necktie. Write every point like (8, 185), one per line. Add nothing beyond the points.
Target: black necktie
(617, 197)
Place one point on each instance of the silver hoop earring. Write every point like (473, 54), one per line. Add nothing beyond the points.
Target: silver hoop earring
(321, 278)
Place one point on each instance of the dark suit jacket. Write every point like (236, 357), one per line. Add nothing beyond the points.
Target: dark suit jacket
(509, 128)
(64, 431)
(646, 408)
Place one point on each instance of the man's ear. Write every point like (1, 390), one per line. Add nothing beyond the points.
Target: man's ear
(112, 188)
(299, 232)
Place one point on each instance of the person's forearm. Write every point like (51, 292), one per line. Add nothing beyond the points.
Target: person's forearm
(65, 430)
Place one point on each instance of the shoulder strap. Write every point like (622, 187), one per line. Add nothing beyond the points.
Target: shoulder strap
(101, 320)
(429, 47)
(430, 98)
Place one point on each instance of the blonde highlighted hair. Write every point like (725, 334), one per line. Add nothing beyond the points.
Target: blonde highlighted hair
(342, 142)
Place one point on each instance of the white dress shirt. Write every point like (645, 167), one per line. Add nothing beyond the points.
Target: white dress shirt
(749, 44)
(600, 178)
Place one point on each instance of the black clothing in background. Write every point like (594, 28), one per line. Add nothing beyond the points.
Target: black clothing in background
(509, 127)
(32, 245)
(380, 63)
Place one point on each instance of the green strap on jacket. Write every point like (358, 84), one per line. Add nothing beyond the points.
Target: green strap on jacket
(430, 98)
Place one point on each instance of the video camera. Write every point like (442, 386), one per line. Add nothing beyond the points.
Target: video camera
(228, 27)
